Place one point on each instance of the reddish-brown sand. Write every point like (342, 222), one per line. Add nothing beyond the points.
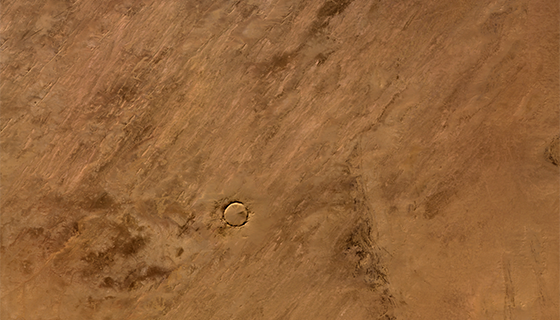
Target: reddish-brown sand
(397, 159)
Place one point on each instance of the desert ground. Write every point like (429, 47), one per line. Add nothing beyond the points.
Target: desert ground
(385, 159)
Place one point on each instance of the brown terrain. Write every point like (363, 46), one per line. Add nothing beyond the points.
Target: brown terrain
(389, 159)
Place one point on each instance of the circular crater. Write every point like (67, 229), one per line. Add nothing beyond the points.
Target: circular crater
(236, 214)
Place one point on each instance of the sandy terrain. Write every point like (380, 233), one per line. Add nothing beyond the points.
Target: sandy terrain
(394, 159)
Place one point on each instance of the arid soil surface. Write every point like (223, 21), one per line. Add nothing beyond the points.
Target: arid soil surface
(396, 159)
